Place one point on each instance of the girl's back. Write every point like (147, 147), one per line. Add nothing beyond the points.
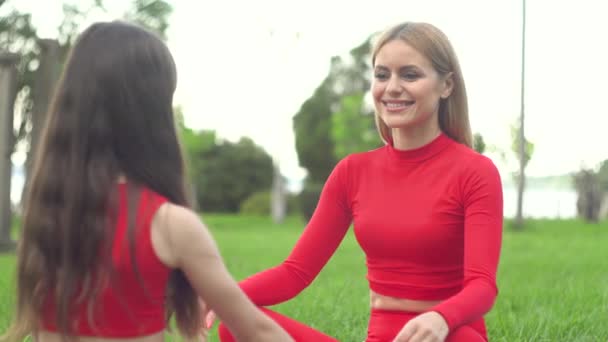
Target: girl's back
(131, 301)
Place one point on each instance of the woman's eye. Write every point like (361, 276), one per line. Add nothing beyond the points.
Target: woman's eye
(381, 75)
(410, 76)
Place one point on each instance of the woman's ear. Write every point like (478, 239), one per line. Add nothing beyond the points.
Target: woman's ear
(448, 85)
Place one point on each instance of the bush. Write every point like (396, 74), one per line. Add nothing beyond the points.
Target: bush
(229, 173)
(309, 197)
(293, 204)
(256, 204)
(259, 204)
(589, 201)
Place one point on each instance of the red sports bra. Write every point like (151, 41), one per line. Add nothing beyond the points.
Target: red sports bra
(125, 308)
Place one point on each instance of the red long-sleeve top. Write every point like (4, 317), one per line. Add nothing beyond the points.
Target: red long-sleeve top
(429, 221)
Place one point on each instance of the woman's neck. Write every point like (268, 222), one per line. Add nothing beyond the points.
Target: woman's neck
(414, 137)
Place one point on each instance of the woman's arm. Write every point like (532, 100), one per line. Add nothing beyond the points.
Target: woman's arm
(483, 221)
(322, 235)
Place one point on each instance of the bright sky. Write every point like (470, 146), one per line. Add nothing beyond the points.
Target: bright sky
(246, 66)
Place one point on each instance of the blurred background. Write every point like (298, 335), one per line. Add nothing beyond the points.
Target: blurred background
(291, 79)
(271, 94)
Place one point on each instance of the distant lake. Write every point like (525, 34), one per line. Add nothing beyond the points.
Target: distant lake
(541, 202)
(538, 202)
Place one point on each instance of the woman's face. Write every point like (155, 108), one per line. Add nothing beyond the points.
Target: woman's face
(405, 87)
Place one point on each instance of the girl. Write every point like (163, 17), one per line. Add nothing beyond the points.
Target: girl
(109, 249)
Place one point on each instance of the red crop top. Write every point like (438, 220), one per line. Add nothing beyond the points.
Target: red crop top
(124, 308)
(429, 221)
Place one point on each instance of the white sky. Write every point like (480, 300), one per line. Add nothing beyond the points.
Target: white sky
(237, 78)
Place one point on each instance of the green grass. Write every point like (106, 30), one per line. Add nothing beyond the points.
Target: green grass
(553, 280)
(7, 276)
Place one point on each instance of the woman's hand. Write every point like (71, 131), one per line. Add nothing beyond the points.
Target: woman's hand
(204, 313)
(209, 319)
(427, 327)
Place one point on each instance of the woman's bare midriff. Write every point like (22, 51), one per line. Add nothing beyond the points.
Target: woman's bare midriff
(381, 302)
(46, 336)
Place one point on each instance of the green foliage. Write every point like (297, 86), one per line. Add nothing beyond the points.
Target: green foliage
(353, 128)
(227, 173)
(313, 124)
(194, 143)
(331, 123)
(257, 204)
(479, 144)
(293, 204)
(591, 187)
(312, 127)
(589, 199)
(224, 174)
(515, 145)
(309, 197)
(151, 14)
(18, 35)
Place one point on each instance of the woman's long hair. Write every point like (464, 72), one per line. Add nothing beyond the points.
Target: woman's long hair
(111, 115)
(434, 45)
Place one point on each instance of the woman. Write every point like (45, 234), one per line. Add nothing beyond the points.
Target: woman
(426, 208)
(110, 249)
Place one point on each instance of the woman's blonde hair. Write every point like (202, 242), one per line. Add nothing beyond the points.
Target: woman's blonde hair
(434, 45)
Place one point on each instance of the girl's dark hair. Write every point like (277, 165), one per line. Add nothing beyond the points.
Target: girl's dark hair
(111, 115)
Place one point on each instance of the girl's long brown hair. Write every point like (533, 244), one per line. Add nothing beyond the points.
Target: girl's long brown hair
(111, 115)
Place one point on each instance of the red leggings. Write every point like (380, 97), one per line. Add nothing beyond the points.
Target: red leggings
(383, 326)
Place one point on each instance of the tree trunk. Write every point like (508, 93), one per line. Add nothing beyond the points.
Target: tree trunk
(603, 214)
(8, 92)
(46, 78)
(519, 217)
(278, 201)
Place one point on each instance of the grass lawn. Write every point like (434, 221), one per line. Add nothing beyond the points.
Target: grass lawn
(553, 279)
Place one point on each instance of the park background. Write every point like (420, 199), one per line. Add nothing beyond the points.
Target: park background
(271, 94)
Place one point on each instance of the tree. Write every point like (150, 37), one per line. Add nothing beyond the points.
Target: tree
(592, 192)
(229, 173)
(523, 159)
(479, 144)
(515, 146)
(194, 144)
(590, 195)
(224, 174)
(151, 14)
(523, 152)
(353, 128)
(313, 124)
(18, 35)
